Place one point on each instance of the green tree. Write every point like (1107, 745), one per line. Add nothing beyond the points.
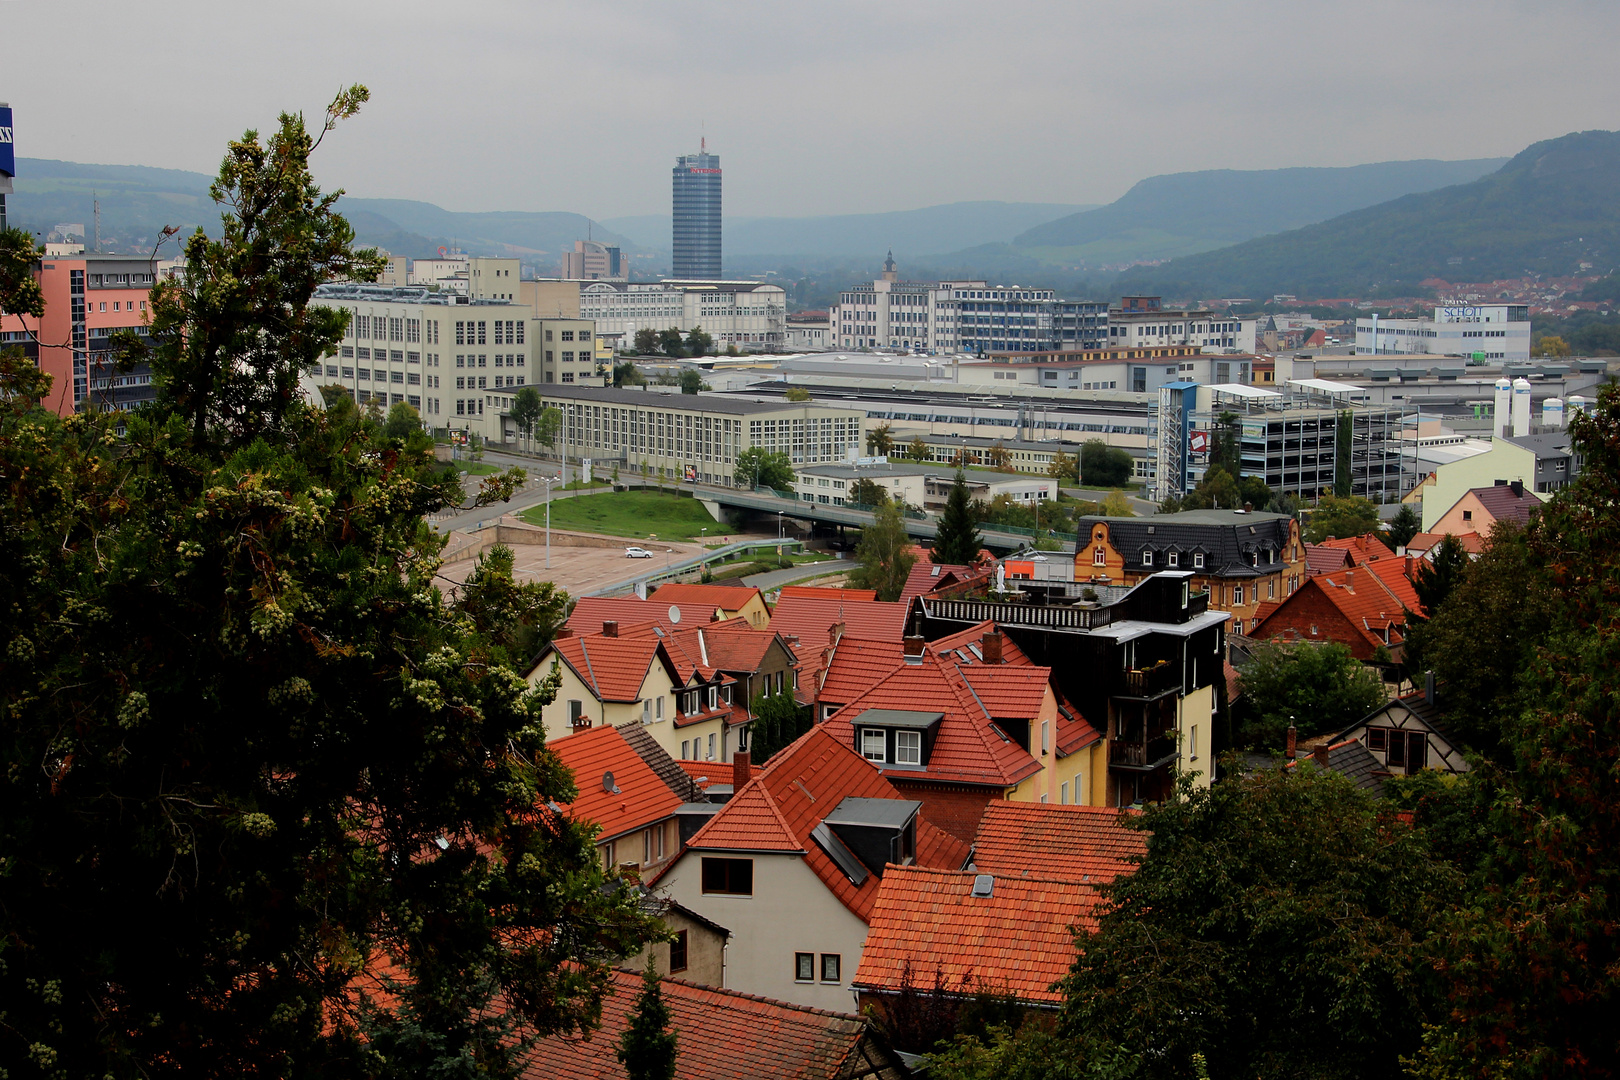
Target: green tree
(1317, 688)
(884, 555)
(648, 341)
(647, 1049)
(1341, 517)
(526, 409)
(1532, 964)
(1551, 345)
(19, 289)
(958, 542)
(670, 341)
(251, 753)
(1227, 453)
(880, 440)
(1102, 465)
(1277, 926)
(779, 719)
(868, 493)
(1406, 524)
(918, 449)
(403, 421)
(1062, 467)
(796, 393)
(759, 467)
(627, 374)
(1438, 577)
(698, 343)
(692, 381)
(1115, 504)
(547, 426)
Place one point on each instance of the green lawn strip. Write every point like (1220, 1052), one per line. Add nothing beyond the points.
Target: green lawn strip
(477, 468)
(632, 514)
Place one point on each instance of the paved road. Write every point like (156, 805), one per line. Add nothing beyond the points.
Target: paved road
(774, 579)
(1143, 507)
(531, 495)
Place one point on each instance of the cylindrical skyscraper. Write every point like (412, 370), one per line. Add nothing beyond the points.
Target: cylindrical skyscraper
(697, 216)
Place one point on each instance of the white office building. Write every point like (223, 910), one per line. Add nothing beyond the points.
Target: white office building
(748, 314)
(1142, 322)
(1484, 333)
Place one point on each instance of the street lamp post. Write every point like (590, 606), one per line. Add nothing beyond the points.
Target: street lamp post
(778, 526)
(548, 481)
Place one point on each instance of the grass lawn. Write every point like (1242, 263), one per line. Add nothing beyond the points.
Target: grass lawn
(477, 468)
(633, 514)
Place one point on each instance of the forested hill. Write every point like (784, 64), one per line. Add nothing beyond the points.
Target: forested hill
(1185, 213)
(1551, 208)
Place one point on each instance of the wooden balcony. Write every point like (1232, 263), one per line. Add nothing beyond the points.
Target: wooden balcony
(1149, 682)
(1142, 755)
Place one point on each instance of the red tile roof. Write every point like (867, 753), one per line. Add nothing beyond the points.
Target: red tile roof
(1363, 548)
(814, 592)
(1017, 940)
(968, 647)
(731, 645)
(856, 664)
(1071, 842)
(590, 612)
(810, 619)
(1423, 543)
(926, 576)
(723, 1035)
(801, 785)
(967, 748)
(613, 667)
(640, 798)
(1372, 598)
(1321, 559)
(706, 774)
(710, 597)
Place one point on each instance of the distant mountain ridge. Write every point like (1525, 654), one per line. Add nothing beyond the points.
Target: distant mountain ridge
(1551, 208)
(908, 233)
(1184, 213)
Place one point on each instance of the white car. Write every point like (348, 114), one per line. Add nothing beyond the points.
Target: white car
(637, 553)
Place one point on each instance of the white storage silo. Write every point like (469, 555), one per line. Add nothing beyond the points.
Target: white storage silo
(1552, 412)
(1577, 404)
(1521, 406)
(1500, 408)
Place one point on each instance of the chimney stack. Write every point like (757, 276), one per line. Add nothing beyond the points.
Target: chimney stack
(1321, 754)
(990, 645)
(741, 773)
(610, 628)
(1291, 735)
(1428, 687)
(1517, 487)
(914, 645)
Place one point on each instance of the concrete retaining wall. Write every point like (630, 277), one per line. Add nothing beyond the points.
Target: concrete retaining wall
(508, 530)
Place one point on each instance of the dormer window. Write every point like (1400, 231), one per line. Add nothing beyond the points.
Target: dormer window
(1172, 558)
(1198, 560)
(714, 697)
(908, 748)
(874, 746)
(1147, 558)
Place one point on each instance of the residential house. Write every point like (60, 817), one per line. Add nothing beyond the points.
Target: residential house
(590, 612)
(695, 951)
(1481, 508)
(712, 603)
(757, 661)
(812, 619)
(633, 808)
(1006, 934)
(1538, 463)
(1240, 558)
(1076, 843)
(1407, 735)
(723, 1035)
(792, 863)
(853, 665)
(1425, 545)
(1363, 609)
(1141, 663)
(1348, 758)
(1338, 552)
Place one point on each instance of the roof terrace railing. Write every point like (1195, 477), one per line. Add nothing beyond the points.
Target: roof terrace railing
(1047, 616)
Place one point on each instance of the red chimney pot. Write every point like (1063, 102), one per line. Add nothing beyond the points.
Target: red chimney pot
(610, 628)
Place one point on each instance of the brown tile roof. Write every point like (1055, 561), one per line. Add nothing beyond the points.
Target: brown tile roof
(801, 785)
(723, 1035)
(637, 796)
(1075, 843)
(1500, 502)
(710, 597)
(658, 759)
(927, 576)
(1018, 940)
(1321, 559)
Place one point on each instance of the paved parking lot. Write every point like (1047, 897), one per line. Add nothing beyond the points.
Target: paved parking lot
(577, 569)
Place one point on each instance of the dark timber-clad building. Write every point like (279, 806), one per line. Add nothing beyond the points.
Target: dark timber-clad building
(697, 216)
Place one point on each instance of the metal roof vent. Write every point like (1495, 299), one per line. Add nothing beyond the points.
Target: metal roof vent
(983, 884)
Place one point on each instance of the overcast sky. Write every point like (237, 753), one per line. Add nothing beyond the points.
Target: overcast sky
(814, 107)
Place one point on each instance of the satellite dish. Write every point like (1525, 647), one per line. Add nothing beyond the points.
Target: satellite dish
(607, 782)
(674, 614)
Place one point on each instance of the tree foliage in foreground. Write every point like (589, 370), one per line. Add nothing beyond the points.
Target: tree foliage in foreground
(647, 1048)
(885, 554)
(1276, 926)
(1317, 688)
(263, 784)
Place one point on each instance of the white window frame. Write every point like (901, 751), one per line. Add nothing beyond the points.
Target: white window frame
(905, 754)
(1147, 557)
(867, 735)
(1198, 560)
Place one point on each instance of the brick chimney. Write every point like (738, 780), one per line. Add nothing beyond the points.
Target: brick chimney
(1320, 755)
(610, 628)
(1350, 580)
(990, 645)
(1291, 738)
(914, 645)
(740, 771)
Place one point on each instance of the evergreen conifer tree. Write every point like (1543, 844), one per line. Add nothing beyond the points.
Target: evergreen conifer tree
(957, 542)
(647, 1050)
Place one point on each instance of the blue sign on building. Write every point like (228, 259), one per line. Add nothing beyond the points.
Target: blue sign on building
(8, 157)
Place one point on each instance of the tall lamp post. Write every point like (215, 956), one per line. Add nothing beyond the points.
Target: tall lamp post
(548, 481)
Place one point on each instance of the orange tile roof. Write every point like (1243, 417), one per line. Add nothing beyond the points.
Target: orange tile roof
(926, 576)
(1018, 940)
(590, 612)
(801, 785)
(1392, 574)
(1372, 598)
(810, 619)
(1363, 548)
(1422, 543)
(1076, 843)
(723, 1035)
(613, 667)
(724, 597)
(1008, 691)
(856, 664)
(731, 645)
(814, 592)
(967, 748)
(641, 799)
(964, 643)
(706, 774)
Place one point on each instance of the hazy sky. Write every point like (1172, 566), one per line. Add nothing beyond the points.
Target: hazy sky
(814, 107)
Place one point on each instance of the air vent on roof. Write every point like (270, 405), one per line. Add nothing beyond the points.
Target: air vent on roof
(983, 884)
(1150, 530)
(608, 784)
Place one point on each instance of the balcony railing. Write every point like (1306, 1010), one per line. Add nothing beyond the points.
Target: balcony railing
(1051, 617)
(1150, 681)
(1142, 755)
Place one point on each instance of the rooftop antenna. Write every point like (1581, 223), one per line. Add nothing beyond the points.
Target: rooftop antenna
(95, 203)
